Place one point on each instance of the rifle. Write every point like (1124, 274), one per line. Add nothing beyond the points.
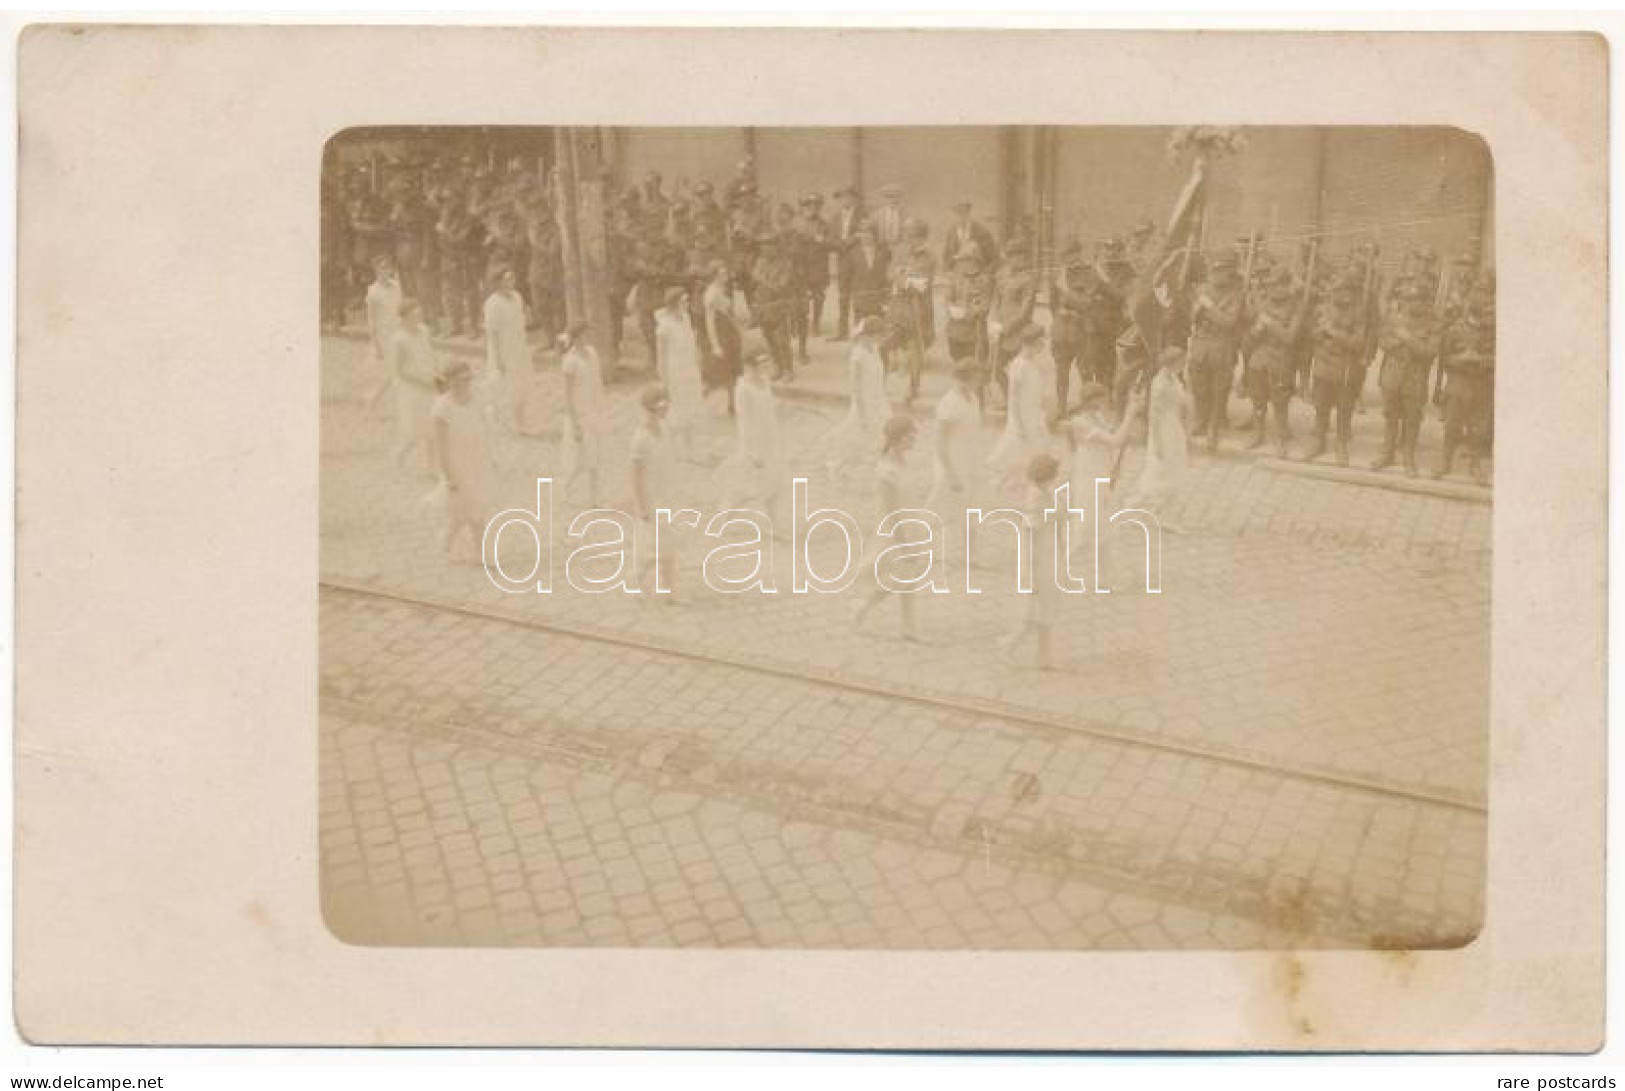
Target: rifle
(1438, 306)
(1247, 307)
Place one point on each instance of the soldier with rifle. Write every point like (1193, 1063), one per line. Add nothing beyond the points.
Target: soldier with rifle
(1268, 345)
(1467, 359)
(1410, 345)
(1216, 328)
(1337, 366)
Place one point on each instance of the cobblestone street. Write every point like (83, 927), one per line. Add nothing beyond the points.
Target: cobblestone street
(1285, 747)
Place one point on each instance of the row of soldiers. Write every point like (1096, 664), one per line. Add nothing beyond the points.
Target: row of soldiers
(1318, 332)
(446, 226)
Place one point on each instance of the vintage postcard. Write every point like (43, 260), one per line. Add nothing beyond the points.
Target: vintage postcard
(705, 561)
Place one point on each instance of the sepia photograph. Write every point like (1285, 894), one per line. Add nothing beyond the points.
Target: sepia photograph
(848, 540)
(997, 537)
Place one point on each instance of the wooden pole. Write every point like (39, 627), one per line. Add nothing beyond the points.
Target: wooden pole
(564, 205)
(1009, 179)
(592, 242)
(857, 162)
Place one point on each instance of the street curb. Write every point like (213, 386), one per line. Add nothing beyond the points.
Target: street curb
(1447, 490)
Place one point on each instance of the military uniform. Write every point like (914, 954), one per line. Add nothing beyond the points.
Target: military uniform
(970, 295)
(1268, 347)
(1467, 359)
(1015, 289)
(454, 236)
(912, 312)
(546, 273)
(814, 242)
(1105, 313)
(1216, 326)
(656, 266)
(708, 215)
(777, 298)
(1410, 344)
(1337, 368)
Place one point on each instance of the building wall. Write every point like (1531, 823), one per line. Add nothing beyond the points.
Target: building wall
(937, 168)
(1402, 188)
(1407, 189)
(794, 162)
(698, 155)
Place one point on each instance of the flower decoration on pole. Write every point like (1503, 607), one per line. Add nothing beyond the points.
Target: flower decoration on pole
(1208, 142)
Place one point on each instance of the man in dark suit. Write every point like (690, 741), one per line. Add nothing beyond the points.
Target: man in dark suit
(890, 218)
(867, 274)
(844, 236)
(967, 232)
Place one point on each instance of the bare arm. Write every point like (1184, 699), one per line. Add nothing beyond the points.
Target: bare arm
(640, 487)
(711, 323)
(570, 385)
(442, 447)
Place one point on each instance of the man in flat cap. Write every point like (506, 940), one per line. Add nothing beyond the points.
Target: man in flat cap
(966, 231)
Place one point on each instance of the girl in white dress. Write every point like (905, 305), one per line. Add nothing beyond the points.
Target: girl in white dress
(751, 474)
(1166, 444)
(898, 439)
(677, 356)
(586, 426)
(507, 352)
(1039, 607)
(958, 432)
(857, 438)
(384, 301)
(1097, 446)
(651, 472)
(463, 454)
(1026, 422)
(412, 364)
